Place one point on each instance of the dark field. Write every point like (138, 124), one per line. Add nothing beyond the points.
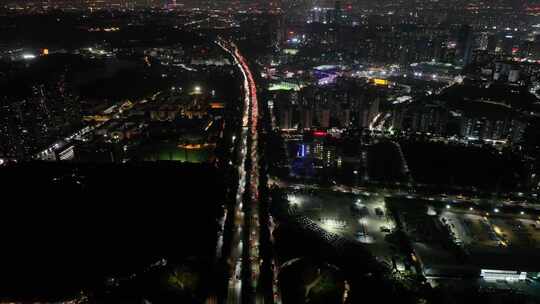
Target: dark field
(482, 168)
(67, 228)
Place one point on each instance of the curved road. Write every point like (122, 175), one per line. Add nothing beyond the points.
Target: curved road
(248, 144)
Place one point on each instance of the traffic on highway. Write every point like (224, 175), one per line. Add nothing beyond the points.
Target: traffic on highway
(247, 144)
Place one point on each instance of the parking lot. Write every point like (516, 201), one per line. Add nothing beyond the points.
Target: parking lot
(470, 229)
(362, 217)
(474, 230)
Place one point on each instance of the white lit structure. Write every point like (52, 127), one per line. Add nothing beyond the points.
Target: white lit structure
(67, 154)
(28, 56)
(504, 275)
(333, 225)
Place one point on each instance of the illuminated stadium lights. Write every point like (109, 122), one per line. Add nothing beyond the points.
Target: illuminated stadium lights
(333, 225)
(294, 200)
(28, 56)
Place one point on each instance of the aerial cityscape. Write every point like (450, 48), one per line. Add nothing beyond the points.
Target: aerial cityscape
(270, 151)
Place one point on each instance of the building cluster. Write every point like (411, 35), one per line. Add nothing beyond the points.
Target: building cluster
(494, 100)
(490, 67)
(382, 35)
(38, 118)
(475, 81)
(346, 104)
(167, 55)
(186, 118)
(32, 122)
(67, 5)
(471, 120)
(457, 241)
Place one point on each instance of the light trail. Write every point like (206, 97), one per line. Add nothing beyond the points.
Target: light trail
(250, 124)
(234, 293)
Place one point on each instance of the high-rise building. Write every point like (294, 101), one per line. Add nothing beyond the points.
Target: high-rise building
(325, 118)
(285, 118)
(306, 118)
(465, 43)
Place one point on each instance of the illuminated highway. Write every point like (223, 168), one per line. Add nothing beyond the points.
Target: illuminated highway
(248, 144)
(245, 263)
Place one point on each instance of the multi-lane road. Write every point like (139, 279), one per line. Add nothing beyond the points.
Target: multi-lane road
(246, 227)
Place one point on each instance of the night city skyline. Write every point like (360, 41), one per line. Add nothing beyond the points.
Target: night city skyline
(270, 151)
